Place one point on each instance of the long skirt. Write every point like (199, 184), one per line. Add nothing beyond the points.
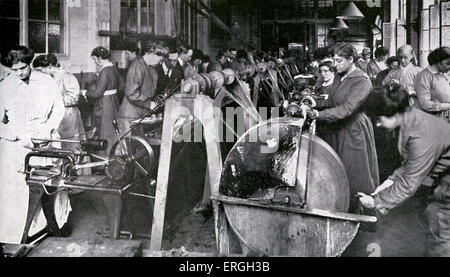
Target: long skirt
(105, 111)
(13, 192)
(72, 128)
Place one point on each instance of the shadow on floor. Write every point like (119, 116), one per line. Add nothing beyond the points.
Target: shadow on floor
(398, 234)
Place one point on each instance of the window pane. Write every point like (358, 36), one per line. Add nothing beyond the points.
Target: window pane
(10, 31)
(10, 8)
(37, 36)
(54, 10)
(54, 38)
(36, 9)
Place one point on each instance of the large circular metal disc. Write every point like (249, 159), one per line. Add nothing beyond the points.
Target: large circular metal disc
(272, 232)
(263, 158)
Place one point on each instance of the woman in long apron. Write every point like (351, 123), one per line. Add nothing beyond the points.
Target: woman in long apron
(103, 91)
(71, 127)
(351, 130)
(31, 107)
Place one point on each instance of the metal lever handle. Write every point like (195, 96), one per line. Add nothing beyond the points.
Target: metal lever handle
(116, 127)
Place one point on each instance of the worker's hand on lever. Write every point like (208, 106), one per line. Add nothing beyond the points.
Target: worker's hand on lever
(366, 200)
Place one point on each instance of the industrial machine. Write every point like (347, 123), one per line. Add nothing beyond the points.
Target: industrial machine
(284, 192)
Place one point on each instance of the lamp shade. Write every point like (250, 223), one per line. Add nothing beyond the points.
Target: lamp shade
(351, 12)
(339, 25)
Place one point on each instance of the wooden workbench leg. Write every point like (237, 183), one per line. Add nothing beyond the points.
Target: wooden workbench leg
(211, 134)
(33, 202)
(113, 205)
(171, 113)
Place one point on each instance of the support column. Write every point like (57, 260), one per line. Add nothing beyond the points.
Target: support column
(435, 35)
(445, 23)
(389, 38)
(424, 42)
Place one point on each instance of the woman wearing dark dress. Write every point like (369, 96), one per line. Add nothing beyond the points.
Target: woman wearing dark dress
(327, 72)
(391, 63)
(352, 132)
(324, 88)
(103, 92)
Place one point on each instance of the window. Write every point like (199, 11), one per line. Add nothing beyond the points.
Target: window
(42, 30)
(402, 9)
(139, 10)
(45, 26)
(10, 21)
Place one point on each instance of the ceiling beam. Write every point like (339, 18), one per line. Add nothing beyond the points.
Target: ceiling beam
(299, 20)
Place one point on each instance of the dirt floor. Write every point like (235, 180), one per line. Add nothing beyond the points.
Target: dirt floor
(398, 234)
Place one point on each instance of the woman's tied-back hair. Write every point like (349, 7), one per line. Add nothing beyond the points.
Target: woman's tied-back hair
(387, 101)
(132, 47)
(16, 54)
(438, 55)
(157, 48)
(381, 52)
(183, 49)
(45, 61)
(346, 50)
(101, 52)
(328, 64)
(197, 54)
(391, 60)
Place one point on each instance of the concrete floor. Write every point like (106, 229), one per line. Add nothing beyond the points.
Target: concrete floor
(398, 234)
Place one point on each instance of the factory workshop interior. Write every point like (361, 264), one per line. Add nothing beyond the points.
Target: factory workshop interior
(224, 128)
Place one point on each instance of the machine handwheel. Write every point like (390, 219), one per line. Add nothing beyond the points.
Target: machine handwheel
(130, 161)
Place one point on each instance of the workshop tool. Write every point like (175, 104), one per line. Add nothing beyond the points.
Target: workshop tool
(286, 194)
(124, 169)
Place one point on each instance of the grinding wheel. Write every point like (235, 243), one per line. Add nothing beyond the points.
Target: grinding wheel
(262, 160)
(257, 164)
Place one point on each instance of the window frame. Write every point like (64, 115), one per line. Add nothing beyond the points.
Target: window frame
(24, 26)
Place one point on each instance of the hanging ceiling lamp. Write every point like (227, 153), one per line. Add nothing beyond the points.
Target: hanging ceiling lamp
(339, 25)
(351, 12)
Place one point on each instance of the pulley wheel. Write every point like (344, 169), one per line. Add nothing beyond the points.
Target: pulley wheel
(134, 159)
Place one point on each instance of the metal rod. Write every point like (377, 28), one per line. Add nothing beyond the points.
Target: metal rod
(100, 157)
(89, 165)
(308, 160)
(308, 211)
(56, 140)
(142, 195)
(38, 239)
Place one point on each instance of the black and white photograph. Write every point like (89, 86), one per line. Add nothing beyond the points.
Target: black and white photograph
(207, 132)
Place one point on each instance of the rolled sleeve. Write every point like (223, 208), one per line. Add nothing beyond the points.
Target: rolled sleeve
(420, 160)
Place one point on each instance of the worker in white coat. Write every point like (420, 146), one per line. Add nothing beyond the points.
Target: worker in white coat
(31, 107)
